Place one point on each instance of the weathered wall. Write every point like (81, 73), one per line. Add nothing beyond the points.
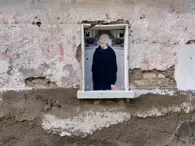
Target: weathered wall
(47, 117)
(40, 38)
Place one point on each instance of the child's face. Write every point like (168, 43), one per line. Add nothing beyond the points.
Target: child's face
(103, 44)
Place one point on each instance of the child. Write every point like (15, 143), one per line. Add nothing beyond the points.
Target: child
(104, 66)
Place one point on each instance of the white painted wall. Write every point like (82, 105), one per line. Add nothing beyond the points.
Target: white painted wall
(185, 68)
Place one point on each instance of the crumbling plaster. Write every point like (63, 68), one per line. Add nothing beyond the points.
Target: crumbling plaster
(158, 29)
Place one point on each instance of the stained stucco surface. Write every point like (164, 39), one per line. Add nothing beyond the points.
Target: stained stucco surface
(40, 38)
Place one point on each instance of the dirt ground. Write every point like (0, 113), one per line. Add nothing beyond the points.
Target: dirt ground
(21, 124)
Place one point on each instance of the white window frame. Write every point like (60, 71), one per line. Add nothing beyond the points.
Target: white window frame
(82, 94)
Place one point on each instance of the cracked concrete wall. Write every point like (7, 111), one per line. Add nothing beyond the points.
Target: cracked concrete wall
(39, 38)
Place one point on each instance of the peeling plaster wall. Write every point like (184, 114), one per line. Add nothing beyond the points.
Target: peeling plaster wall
(39, 38)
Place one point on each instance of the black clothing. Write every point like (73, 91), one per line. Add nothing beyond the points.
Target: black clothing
(104, 68)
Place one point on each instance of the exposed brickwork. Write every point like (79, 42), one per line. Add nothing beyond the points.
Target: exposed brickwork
(153, 78)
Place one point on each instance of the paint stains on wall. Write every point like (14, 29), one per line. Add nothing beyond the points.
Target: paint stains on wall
(3, 38)
(3, 55)
(175, 9)
(146, 63)
(61, 49)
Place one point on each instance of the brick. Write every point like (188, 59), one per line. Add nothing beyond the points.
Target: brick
(140, 82)
(149, 75)
(161, 76)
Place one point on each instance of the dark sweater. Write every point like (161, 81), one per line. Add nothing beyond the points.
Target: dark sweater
(104, 68)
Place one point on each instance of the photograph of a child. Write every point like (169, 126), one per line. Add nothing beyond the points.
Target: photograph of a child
(104, 65)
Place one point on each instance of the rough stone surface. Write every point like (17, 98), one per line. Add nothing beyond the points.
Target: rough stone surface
(148, 120)
(161, 76)
(184, 135)
(142, 79)
(149, 75)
